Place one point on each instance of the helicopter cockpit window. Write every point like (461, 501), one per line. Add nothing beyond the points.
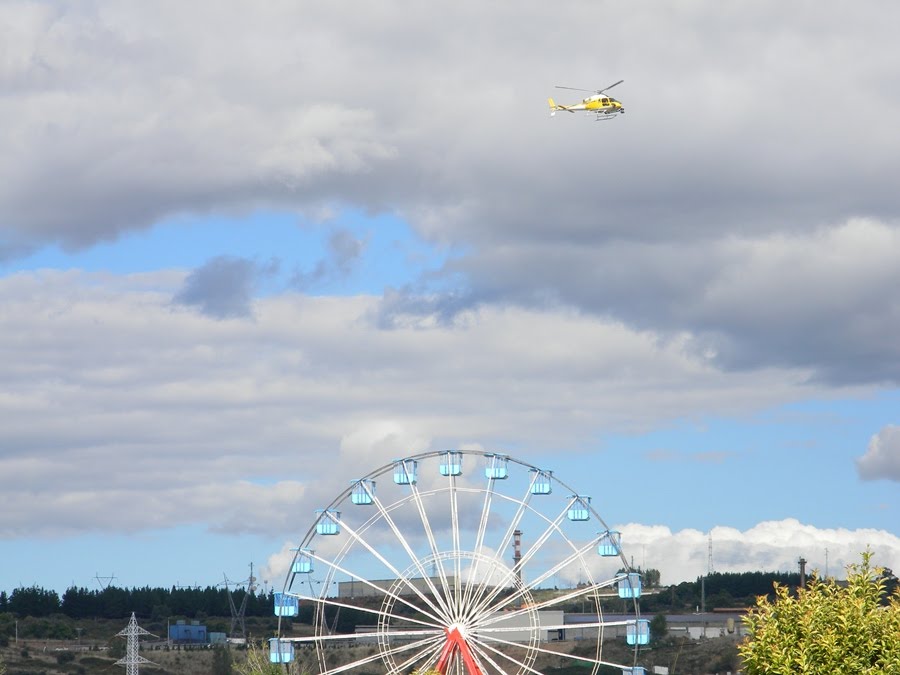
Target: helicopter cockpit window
(605, 101)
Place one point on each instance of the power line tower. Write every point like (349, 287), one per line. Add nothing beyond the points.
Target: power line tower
(132, 658)
(105, 581)
(238, 626)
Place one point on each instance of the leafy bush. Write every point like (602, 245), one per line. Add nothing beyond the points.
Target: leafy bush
(64, 657)
(826, 628)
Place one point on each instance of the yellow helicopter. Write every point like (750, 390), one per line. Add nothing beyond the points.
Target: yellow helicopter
(605, 107)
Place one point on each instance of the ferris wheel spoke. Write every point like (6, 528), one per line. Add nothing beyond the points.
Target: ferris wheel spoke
(371, 549)
(368, 610)
(426, 656)
(378, 655)
(385, 514)
(485, 629)
(559, 600)
(537, 581)
(454, 527)
(334, 567)
(508, 576)
(479, 540)
(429, 533)
(338, 637)
(480, 648)
(482, 655)
(542, 650)
(522, 508)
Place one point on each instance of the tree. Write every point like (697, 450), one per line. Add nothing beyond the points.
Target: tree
(33, 601)
(258, 663)
(826, 628)
(659, 628)
(221, 661)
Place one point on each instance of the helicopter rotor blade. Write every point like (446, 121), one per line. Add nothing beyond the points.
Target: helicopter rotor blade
(574, 88)
(615, 84)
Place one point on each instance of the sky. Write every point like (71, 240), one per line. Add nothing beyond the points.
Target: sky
(251, 251)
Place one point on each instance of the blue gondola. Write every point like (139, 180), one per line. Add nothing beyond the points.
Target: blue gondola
(497, 468)
(286, 605)
(451, 463)
(303, 562)
(328, 522)
(637, 670)
(610, 544)
(638, 632)
(405, 471)
(542, 483)
(281, 651)
(580, 508)
(630, 586)
(362, 491)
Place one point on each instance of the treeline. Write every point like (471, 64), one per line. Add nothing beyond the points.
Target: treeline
(118, 603)
(730, 589)
(719, 589)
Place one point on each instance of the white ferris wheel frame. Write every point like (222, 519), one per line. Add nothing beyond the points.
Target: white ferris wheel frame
(446, 604)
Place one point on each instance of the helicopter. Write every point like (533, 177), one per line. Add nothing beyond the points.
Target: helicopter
(605, 107)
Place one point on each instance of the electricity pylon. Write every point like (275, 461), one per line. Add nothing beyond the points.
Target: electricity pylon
(132, 658)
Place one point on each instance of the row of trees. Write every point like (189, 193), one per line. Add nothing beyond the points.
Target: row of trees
(727, 589)
(118, 603)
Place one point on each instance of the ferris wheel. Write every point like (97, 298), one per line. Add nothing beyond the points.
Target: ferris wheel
(462, 562)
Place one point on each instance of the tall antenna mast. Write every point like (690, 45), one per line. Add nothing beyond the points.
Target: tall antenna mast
(709, 558)
(132, 658)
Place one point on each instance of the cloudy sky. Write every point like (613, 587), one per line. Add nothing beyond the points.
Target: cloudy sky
(251, 251)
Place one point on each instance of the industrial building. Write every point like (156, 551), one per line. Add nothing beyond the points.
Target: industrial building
(692, 626)
(184, 633)
(359, 589)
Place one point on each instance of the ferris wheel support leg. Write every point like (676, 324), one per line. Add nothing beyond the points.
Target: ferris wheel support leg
(457, 643)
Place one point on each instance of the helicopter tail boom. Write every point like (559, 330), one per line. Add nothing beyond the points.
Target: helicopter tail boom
(554, 106)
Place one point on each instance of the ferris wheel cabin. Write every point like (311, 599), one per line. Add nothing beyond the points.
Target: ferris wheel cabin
(362, 492)
(328, 522)
(541, 482)
(638, 632)
(303, 562)
(281, 651)
(286, 605)
(497, 468)
(405, 471)
(580, 508)
(451, 463)
(630, 586)
(610, 544)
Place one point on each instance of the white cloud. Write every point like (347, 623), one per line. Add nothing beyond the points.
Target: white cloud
(245, 111)
(101, 371)
(768, 546)
(882, 457)
(682, 555)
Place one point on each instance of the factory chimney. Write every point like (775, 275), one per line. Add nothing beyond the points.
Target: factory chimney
(517, 554)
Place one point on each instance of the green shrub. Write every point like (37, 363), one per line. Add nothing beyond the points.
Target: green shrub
(826, 628)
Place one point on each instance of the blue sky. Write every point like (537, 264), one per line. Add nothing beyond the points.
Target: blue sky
(236, 274)
(394, 255)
